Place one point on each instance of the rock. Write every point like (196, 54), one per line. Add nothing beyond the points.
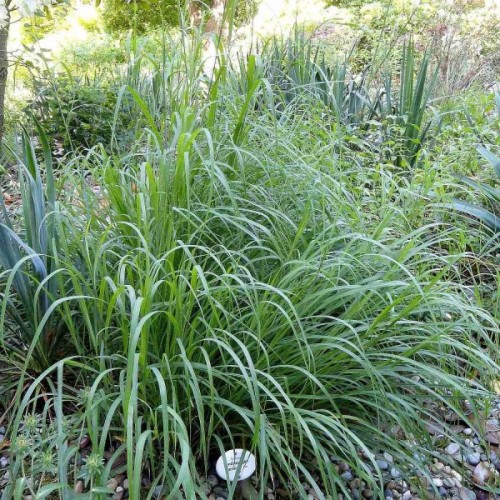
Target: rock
(79, 487)
(438, 482)
(119, 493)
(355, 495)
(469, 443)
(474, 458)
(347, 475)
(449, 482)
(343, 466)
(467, 431)
(382, 464)
(481, 474)
(388, 457)
(406, 495)
(456, 475)
(355, 484)
(452, 449)
(112, 483)
(395, 473)
(388, 495)
(125, 484)
(4, 461)
(212, 480)
(220, 492)
(466, 494)
(443, 491)
(367, 493)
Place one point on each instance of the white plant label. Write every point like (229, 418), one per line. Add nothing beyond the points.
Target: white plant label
(232, 459)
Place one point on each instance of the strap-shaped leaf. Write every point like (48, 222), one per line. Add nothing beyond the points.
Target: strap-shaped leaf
(487, 217)
(493, 159)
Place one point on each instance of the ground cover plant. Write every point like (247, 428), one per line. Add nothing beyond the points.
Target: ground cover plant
(259, 256)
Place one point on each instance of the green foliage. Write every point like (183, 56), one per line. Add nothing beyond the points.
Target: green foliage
(80, 112)
(139, 15)
(489, 217)
(29, 267)
(248, 271)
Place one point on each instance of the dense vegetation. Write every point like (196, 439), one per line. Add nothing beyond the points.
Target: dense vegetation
(270, 252)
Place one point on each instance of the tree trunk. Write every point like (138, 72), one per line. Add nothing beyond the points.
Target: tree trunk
(4, 68)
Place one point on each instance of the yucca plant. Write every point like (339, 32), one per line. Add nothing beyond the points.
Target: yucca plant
(29, 267)
(407, 106)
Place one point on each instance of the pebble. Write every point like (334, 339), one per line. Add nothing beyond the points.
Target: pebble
(481, 474)
(438, 482)
(467, 431)
(212, 480)
(4, 461)
(119, 493)
(452, 449)
(382, 464)
(367, 493)
(79, 487)
(448, 482)
(355, 495)
(474, 458)
(388, 495)
(388, 457)
(395, 473)
(347, 475)
(466, 494)
(112, 483)
(125, 484)
(406, 495)
(456, 475)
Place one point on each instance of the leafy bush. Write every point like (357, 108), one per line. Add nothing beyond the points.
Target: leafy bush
(140, 15)
(80, 112)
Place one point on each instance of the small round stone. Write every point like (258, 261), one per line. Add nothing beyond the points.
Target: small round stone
(467, 431)
(112, 483)
(212, 480)
(452, 449)
(438, 482)
(474, 458)
(382, 464)
(395, 473)
(347, 475)
(449, 482)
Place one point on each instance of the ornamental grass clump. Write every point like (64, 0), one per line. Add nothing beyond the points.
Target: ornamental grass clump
(228, 286)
